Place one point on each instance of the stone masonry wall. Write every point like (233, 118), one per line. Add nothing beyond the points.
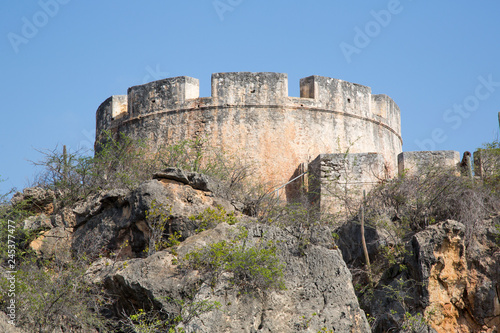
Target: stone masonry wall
(251, 116)
(337, 181)
(414, 162)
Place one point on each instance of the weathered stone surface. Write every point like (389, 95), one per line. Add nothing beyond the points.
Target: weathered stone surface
(37, 223)
(413, 162)
(483, 288)
(456, 290)
(319, 289)
(196, 180)
(254, 119)
(55, 242)
(35, 199)
(439, 263)
(97, 203)
(109, 219)
(64, 218)
(337, 180)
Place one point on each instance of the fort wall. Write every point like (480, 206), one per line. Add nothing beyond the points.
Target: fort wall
(251, 116)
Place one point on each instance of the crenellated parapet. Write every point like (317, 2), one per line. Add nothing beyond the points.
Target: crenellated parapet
(251, 115)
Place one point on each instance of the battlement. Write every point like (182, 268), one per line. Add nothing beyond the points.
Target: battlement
(250, 88)
(317, 93)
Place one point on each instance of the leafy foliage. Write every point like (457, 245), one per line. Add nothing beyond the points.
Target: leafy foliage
(157, 217)
(51, 295)
(210, 218)
(251, 267)
(157, 321)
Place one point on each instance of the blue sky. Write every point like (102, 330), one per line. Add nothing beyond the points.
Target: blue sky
(61, 58)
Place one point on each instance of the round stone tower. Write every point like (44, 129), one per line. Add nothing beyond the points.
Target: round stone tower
(251, 116)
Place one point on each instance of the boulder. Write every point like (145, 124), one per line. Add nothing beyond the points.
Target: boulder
(483, 287)
(109, 219)
(196, 180)
(319, 293)
(35, 199)
(55, 242)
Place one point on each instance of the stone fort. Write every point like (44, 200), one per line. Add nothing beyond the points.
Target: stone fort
(252, 117)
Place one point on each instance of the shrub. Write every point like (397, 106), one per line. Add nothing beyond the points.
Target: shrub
(419, 200)
(68, 174)
(157, 321)
(230, 172)
(51, 295)
(118, 163)
(251, 267)
(12, 231)
(210, 218)
(122, 162)
(157, 218)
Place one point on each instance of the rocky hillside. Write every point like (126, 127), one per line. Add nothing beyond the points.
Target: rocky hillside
(215, 269)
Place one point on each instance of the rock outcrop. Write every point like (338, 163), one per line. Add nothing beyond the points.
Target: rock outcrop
(319, 293)
(444, 284)
(109, 219)
(456, 288)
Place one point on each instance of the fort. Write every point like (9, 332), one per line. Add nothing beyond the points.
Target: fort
(252, 117)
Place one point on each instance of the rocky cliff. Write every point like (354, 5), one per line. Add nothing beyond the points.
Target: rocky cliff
(442, 285)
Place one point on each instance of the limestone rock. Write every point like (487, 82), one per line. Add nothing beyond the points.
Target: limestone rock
(36, 223)
(319, 290)
(457, 288)
(483, 287)
(196, 180)
(64, 218)
(107, 220)
(54, 242)
(439, 263)
(35, 199)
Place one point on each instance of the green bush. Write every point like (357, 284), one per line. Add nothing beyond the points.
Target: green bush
(51, 295)
(119, 162)
(12, 231)
(157, 218)
(251, 267)
(210, 218)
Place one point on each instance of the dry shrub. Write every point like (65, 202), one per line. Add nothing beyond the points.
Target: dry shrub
(418, 200)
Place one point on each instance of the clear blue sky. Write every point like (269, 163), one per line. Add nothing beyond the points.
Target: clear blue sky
(440, 61)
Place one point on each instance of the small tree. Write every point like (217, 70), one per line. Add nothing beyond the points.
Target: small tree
(157, 218)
